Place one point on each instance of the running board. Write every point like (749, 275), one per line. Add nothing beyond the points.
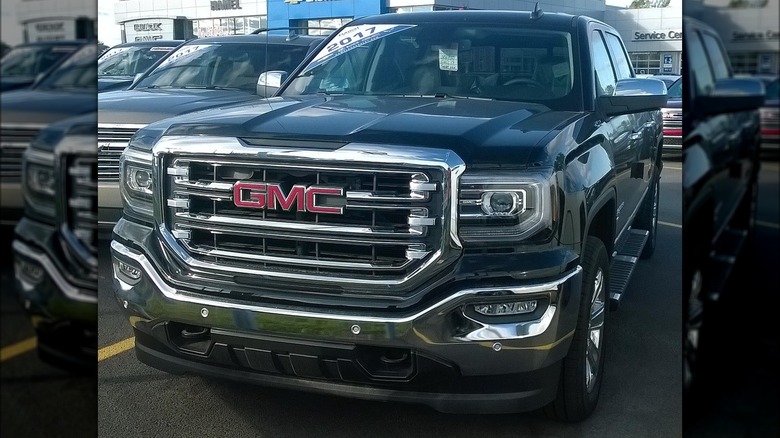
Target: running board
(624, 261)
(723, 259)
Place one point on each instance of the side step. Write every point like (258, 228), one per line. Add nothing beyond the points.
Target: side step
(623, 262)
(722, 260)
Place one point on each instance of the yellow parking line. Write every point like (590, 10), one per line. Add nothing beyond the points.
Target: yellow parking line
(18, 348)
(669, 224)
(114, 349)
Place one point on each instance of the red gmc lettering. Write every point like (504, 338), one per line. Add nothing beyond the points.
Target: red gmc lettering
(271, 196)
(256, 198)
(311, 192)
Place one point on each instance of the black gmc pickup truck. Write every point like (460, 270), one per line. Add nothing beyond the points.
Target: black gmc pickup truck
(435, 208)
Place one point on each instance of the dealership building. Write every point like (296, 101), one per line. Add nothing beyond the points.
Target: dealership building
(652, 36)
(751, 35)
(51, 20)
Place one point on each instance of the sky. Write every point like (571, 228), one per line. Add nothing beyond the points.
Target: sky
(108, 31)
(11, 33)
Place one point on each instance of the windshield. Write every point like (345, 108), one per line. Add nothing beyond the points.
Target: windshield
(28, 61)
(130, 60)
(76, 72)
(675, 90)
(444, 59)
(223, 65)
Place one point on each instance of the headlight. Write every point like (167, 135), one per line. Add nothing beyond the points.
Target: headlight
(498, 207)
(39, 184)
(135, 183)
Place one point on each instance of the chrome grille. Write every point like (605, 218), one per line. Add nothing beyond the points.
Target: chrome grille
(13, 142)
(82, 199)
(391, 221)
(112, 140)
(672, 118)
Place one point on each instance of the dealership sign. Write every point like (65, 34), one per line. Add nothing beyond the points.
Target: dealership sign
(749, 37)
(668, 35)
(152, 29)
(51, 30)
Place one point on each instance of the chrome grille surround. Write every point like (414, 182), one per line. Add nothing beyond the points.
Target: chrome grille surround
(14, 140)
(112, 140)
(411, 230)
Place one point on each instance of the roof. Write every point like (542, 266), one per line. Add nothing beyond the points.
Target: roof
(301, 40)
(510, 18)
(155, 43)
(52, 43)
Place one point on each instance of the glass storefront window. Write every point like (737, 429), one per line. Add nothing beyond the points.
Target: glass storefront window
(324, 24)
(744, 63)
(210, 27)
(646, 62)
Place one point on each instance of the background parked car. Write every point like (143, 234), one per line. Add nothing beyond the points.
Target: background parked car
(119, 65)
(25, 63)
(770, 117)
(67, 91)
(673, 120)
(667, 79)
(200, 74)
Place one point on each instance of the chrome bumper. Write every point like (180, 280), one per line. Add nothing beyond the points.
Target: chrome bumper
(443, 328)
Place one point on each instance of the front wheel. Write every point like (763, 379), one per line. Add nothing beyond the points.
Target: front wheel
(583, 366)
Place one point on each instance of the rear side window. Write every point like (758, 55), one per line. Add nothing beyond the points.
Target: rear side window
(622, 64)
(698, 64)
(605, 75)
(718, 59)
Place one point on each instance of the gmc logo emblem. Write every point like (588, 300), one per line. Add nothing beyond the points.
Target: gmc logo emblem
(271, 197)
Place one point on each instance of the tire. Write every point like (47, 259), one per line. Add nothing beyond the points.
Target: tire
(583, 366)
(647, 219)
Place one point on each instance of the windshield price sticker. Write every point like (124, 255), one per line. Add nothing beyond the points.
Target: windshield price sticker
(161, 49)
(352, 37)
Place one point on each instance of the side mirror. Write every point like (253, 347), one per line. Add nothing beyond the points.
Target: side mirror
(269, 82)
(732, 95)
(632, 96)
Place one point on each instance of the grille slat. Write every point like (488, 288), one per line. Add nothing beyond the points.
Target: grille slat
(13, 142)
(82, 199)
(112, 141)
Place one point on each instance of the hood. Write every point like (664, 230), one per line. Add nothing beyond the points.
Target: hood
(477, 130)
(16, 82)
(149, 105)
(45, 106)
(675, 103)
(111, 83)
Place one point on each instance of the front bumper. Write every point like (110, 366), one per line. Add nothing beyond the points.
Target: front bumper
(439, 354)
(62, 309)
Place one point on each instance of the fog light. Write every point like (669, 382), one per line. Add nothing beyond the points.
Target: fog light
(498, 309)
(129, 272)
(28, 271)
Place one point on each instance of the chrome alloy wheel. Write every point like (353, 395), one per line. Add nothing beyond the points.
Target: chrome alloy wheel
(692, 327)
(595, 329)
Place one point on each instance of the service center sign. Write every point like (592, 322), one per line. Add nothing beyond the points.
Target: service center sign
(663, 35)
(150, 29)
